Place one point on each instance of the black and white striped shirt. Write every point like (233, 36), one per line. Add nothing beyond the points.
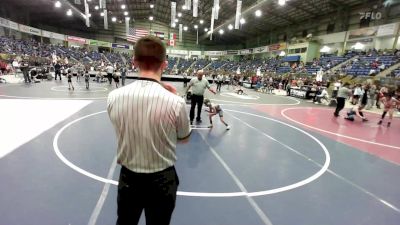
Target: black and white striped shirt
(148, 121)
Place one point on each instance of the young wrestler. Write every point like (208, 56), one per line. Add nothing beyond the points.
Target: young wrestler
(214, 110)
(389, 104)
(356, 111)
(70, 80)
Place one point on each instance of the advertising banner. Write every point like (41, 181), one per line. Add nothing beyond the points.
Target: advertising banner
(387, 30)
(363, 33)
(30, 30)
(215, 53)
(76, 39)
(115, 45)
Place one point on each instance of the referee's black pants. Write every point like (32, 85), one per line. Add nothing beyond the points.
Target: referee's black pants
(340, 105)
(196, 99)
(155, 193)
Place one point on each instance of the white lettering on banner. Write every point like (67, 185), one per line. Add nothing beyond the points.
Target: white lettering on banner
(76, 39)
(245, 51)
(388, 29)
(53, 35)
(371, 15)
(30, 30)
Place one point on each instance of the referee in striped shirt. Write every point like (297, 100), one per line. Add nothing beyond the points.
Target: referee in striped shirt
(149, 119)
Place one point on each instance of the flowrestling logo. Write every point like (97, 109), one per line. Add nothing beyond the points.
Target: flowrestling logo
(370, 15)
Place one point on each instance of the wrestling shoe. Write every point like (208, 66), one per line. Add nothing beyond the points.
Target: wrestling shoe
(388, 125)
(228, 127)
(380, 122)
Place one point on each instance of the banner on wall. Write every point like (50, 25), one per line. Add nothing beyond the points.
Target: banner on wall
(173, 12)
(245, 51)
(98, 43)
(30, 30)
(194, 52)
(260, 49)
(363, 33)
(232, 52)
(13, 25)
(388, 29)
(215, 53)
(116, 45)
(277, 47)
(76, 40)
(179, 52)
(49, 34)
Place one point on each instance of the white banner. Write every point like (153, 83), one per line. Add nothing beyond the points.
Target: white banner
(194, 52)
(388, 29)
(4, 22)
(179, 52)
(189, 6)
(127, 25)
(49, 34)
(216, 9)
(30, 30)
(87, 20)
(238, 14)
(13, 25)
(105, 19)
(212, 22)
(195, 7)
(180, 32)
(215, 53)
(173, 12)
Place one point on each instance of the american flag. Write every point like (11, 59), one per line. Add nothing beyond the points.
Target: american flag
(135, 34)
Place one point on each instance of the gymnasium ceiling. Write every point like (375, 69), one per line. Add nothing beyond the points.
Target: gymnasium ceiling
(274, 16)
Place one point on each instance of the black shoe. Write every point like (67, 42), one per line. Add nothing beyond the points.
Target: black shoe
(380, 122)
(199, 121)
(388, 124)
(191, 122)
(336, 115)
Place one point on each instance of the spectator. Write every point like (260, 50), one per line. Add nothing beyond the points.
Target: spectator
(146, 148)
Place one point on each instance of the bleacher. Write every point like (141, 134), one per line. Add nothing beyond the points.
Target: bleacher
(184, 64)
(200, 64)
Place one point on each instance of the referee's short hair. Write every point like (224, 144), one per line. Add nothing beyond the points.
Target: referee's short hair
(149, 53)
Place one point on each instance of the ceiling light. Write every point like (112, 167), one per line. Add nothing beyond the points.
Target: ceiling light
(114, 19)
(179, 14)
(173, 25)
(258, 13)
(184, 7)
(57, 4)
(123, 6)
(281, 2)
(230, 27)
(151, 6)
(242, 21)
(221, 31)
(185, 28)
(96, 7)
(101, 14)
(176, 20)
(69, 12)
(195, 26)
(126, 13)
(151, 17)
(205, 29)
(201, 21)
